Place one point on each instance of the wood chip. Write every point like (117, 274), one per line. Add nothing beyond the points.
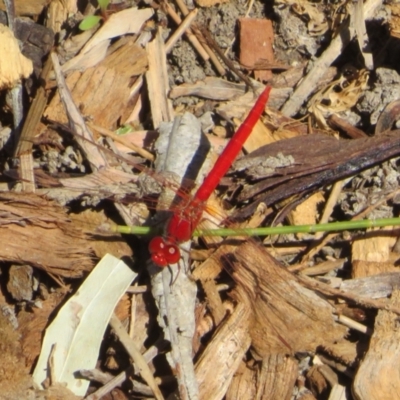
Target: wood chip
(102, 91)
(13, 65)
(223, 355)
(50, 241)
(256, 41)
(377, 376)
(31, 7)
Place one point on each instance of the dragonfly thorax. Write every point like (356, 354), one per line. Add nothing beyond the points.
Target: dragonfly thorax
(181, 225)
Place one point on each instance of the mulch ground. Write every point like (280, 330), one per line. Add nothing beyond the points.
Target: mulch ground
(112, 113)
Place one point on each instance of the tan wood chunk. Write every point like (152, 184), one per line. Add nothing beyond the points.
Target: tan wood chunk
(103, 92)
(244, 384)
(344, 351)
(256, 40)
(277, 377)
(372, 254)
(306, 213)
(24, 7)
(214, 300)
(378, 376)
(157, 82)
(13, 65)
(223, 355)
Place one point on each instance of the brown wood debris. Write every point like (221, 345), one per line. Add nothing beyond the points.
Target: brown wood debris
(377, 376)
(103, 91)
(283, 309)
(31, 7)
(331, 160)
(256, 38)
(38, 232)
(223, 355)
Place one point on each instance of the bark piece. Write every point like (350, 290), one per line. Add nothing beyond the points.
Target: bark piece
(256, 40)
(288, 318)
(318, 160)
(378, 376)
(38, 232)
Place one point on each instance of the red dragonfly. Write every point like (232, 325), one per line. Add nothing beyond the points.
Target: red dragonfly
(165, 250)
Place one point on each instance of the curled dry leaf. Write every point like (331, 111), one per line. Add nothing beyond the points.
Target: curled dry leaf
(80, 325)
(340, 95)
(317, 23)
(128, 21)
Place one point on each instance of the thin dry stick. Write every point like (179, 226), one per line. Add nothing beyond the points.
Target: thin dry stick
(124, 375)
(360, 300)
(138, 106)
(354, 325)
(182, 28)
(332, 200)
(111, 384)
(106, 132)
(192, 39)
(213, 57)
(132, 321)
(76, 121)
(137, 357)
(211, 43)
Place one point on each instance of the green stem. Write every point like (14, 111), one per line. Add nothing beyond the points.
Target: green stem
(329, 227)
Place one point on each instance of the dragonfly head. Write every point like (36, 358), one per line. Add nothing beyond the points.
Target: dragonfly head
(163, 252)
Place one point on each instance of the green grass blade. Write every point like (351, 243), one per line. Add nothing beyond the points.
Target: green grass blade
(328, 227)
(130, 230)
(275, 230)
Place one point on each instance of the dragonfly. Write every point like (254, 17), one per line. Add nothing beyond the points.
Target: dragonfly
(164, 250)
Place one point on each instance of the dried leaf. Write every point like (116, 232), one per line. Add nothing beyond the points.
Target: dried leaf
(80, 325)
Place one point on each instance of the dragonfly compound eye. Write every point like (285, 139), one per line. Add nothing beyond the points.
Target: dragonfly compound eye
(163, 253)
